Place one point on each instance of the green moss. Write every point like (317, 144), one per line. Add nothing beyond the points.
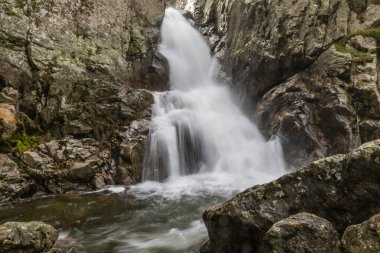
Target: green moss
(24, 142)
(340, 46)
(362, 59)
(373, 32)
(20, 142)
(358, 57)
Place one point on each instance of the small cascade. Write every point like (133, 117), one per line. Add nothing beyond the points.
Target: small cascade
(196, 126)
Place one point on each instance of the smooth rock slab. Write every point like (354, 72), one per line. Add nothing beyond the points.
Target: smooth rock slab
(301, 233)
(26, 237)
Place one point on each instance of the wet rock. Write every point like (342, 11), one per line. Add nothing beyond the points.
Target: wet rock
(342, 189)
(302, 232)
(130, 150)
(54, 250)
(364, 237)
(69, 164)
(12, 183)
(16, 237)
(340, 86)
(312, 108)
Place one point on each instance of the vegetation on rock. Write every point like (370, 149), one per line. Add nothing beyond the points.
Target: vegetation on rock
(359, 57)
(20, 142)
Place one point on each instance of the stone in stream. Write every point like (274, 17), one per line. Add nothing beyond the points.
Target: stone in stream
(26, 237)
(302, 232)
(344, 189)
(364, 237)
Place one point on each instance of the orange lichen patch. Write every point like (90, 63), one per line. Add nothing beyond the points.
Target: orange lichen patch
(7, 114)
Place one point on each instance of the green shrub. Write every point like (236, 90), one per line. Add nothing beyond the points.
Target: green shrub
(20, 142)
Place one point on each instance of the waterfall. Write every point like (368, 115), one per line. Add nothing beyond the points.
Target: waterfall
(196, 126)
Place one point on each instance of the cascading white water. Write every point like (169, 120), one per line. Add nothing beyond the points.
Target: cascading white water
(201, 150)
(196, 127)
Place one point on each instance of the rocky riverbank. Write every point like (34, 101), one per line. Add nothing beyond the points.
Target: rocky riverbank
(74, 99)
(343, 189)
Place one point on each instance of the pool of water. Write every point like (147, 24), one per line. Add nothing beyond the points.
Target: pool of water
(118, 220)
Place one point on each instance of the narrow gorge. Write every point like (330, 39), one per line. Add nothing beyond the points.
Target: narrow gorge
(173, 126)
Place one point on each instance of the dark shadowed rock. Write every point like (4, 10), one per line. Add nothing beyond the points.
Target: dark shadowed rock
(27, 237)
(302, 233)
(364, 237)
(369, 130)
(314, 109)
(344, 189)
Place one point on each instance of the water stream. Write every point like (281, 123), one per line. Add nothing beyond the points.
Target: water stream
(201, 151)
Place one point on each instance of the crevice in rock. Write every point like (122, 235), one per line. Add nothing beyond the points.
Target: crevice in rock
(28, 53)
(3, 82)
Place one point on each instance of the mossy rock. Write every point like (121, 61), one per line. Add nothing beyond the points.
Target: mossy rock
(19, 143)
(359, 57)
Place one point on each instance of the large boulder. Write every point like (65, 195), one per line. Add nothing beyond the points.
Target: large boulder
(302, 232)
(312, 108)
(343, 189)
(364, 237)
(332, 106)
(27, 237)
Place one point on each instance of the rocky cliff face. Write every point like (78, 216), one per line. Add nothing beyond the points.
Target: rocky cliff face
(309, 67)
(75, 70)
